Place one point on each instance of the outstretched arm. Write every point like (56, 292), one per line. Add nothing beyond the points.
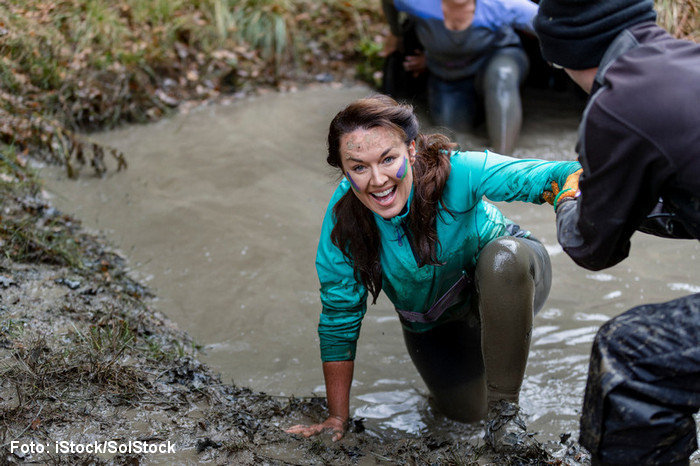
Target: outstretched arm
(344, 304)
(624, 174)
(503, 178)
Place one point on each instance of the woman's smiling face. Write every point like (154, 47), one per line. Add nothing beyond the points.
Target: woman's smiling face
(377, 162)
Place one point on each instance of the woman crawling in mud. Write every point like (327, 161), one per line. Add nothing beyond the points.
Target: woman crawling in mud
(409, 218)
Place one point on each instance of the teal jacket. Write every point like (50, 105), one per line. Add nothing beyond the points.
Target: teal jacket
(462, 235)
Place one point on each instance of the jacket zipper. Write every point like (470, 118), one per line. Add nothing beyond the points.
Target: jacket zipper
(398, 236)
(410, 244)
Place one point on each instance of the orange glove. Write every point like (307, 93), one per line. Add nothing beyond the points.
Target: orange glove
(570, 189)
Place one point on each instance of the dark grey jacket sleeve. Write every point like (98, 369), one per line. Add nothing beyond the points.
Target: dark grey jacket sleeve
(595, 256)
(601, 255)
(624, 173)
(392, 17)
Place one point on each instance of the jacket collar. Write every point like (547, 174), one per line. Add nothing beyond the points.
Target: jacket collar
(624, 42)
(399, 219)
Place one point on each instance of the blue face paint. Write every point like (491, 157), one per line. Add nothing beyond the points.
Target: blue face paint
(401, 174)
(352, 182)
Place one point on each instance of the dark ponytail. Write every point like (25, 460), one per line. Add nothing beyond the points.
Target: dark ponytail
(430, 172)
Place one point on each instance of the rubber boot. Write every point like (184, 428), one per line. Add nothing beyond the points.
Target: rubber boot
(504, 112)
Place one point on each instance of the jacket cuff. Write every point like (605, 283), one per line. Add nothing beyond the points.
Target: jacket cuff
(331, 352)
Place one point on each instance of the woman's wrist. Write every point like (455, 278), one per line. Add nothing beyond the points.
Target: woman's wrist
(563, 194)
(343, 420)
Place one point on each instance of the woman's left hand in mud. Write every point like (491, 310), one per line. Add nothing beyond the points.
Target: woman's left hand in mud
(332, 424)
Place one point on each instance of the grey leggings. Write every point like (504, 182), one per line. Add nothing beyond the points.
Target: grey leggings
(470, 362)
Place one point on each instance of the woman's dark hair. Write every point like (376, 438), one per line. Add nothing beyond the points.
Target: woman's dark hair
(355, 232)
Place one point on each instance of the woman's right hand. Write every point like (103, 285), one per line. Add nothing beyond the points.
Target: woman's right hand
(571, 188)
(333, 424)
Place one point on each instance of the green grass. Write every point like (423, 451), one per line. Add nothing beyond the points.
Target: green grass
(368, 68)
(12, 169)
(25, 241)
(93, 64)
(265, 25)
(44, 368)
(54, 43)
(10, 329)
(28, 235)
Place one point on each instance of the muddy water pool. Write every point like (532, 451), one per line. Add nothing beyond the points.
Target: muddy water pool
(220, 210)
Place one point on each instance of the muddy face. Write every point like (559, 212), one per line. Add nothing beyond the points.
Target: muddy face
(377, 163)
(220, 214)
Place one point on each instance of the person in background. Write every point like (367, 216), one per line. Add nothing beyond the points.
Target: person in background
(409, 218)
(401, 80)
(639, 144)
(474, 60)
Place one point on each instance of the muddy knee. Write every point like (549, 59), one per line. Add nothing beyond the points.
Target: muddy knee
(502, 72)
(504, 264)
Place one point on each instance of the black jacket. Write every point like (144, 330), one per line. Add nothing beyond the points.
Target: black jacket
(639, 145)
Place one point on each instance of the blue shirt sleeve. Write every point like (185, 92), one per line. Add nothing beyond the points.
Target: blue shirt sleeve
(425, 9)
(343, 298)
(495, 14)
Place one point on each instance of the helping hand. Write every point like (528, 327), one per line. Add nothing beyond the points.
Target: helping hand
(570, 186)
(332, 424)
